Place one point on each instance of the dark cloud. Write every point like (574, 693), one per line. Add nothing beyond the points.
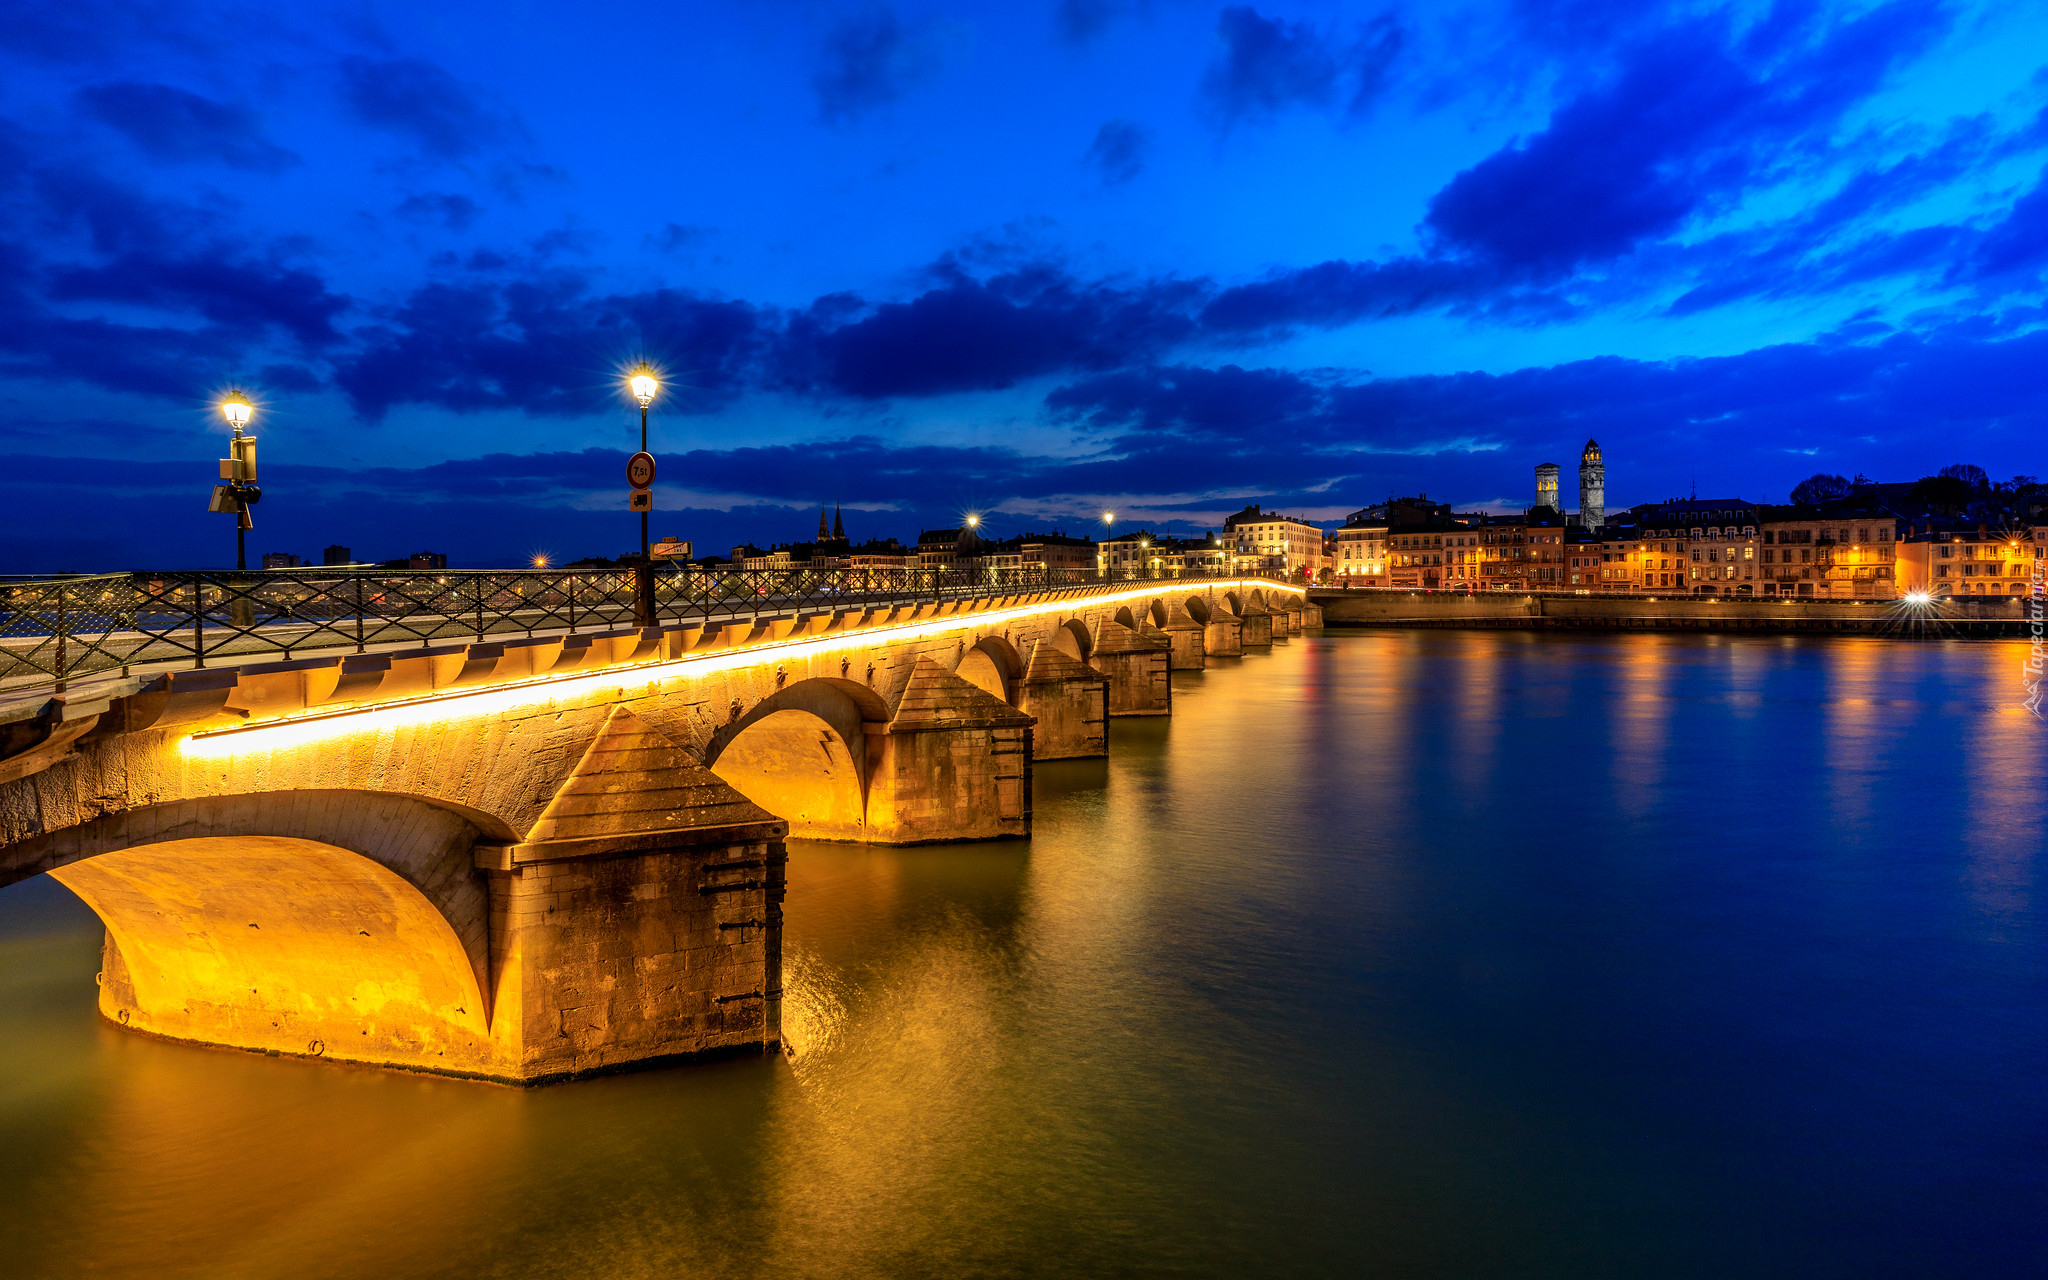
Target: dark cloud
(243, 296)
(1695, 116)
(868, 60)
(421, 101)
(80, 30)
(1194, 404)
(1268, 65)
(455, 212)
(1079, 21)
(675, 237)
(978, 335)
(1886, 402)
(547, 346)
(1331, 294)
(1118, 152)
(1590, 209)
(173, 124)
(2017, 247)
(183, 308)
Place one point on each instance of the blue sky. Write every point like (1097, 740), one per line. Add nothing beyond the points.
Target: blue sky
(1032, 260)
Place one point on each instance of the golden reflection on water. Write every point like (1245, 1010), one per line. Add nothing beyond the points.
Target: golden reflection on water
(1858, 676)
(2007, 769)
(1640, 725)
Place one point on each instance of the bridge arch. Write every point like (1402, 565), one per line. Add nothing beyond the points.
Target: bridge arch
(801, 754)
(323, 923)
(1071, 638)
(993, 665)
(1197, 608)
(1126, 617)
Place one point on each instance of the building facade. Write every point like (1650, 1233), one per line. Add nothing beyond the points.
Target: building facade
(1358, 553)
(1268, 540)
(1944, 560)
(1835, 551)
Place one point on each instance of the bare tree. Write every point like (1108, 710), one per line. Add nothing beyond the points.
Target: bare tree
(1819, 487)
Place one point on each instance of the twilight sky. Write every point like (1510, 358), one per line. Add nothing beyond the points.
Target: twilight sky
(1024, 259)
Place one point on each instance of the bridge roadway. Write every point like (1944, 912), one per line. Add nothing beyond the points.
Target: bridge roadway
(532, 859)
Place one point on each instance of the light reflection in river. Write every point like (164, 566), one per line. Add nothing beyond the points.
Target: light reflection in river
(1400, 953)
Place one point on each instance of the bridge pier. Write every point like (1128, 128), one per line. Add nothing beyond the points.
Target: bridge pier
(1138, 671)
(1257, 627)
(1286, 615)
(953, 764)
(1070, 703)
(635, 957)
(1223, 636)
(1185, 639)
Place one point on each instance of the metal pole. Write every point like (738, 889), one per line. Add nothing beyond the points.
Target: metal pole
(643, 573)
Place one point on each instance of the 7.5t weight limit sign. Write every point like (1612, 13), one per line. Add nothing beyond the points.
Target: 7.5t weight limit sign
(640, 470)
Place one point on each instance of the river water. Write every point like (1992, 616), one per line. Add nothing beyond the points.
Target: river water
(1396, 953)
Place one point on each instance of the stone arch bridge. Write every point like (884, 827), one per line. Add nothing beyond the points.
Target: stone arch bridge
(541, 858)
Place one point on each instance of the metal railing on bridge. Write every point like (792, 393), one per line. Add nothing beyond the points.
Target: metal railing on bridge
(58, 628)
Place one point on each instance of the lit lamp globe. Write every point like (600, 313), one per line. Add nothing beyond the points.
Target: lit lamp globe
(644, 385)
(237, 409)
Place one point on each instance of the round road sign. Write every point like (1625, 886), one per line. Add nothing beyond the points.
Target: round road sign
(640, 470)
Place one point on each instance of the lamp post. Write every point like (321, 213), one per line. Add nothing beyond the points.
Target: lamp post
(239, 470)
(644, 385)
(1108, 520)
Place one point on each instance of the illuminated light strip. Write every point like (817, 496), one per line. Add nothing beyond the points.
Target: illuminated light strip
(494, 699)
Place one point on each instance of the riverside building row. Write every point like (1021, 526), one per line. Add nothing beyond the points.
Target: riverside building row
(1253, 540)
(1840, 550)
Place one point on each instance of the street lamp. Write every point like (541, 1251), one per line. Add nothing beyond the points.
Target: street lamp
(643, 383)
(239, 470)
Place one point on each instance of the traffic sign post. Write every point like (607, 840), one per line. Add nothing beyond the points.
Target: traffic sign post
(640, 470)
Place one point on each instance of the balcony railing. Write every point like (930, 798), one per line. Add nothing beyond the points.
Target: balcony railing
(56, 629)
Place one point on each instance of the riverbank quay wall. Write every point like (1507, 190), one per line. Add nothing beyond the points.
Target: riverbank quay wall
(1946, 619)
(537, 859)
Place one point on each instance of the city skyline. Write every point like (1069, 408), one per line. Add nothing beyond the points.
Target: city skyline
(1278, 252)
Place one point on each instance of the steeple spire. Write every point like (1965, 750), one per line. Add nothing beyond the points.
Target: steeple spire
(838, 529)
(824, 530)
